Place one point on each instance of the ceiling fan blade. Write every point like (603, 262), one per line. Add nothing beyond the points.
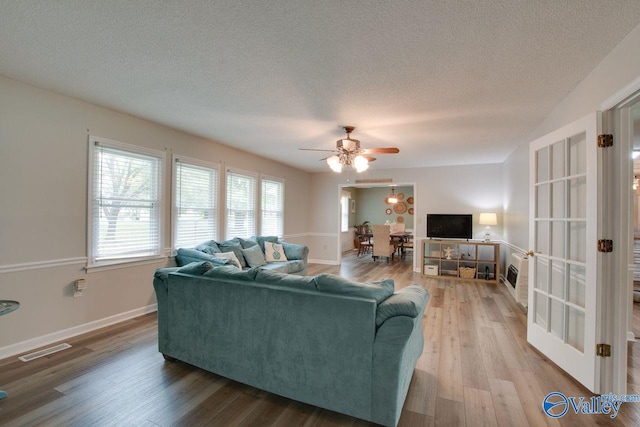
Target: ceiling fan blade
(369, 158)
(390, 150)
(314, 149)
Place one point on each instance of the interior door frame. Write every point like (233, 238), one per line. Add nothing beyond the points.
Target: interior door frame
(621, 290)
(416, 204)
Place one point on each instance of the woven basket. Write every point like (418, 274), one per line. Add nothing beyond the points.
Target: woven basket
(467, 272)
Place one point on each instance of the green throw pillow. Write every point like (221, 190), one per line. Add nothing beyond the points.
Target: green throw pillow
(254, 256)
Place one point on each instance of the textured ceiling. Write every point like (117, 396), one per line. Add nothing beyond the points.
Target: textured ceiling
(448, 82)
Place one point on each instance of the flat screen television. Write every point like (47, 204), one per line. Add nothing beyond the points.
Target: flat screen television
(449, 226)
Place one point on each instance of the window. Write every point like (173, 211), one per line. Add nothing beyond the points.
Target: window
(195, 214)
(241, 204)
(344, 210)
(272, 219)
(125, 205)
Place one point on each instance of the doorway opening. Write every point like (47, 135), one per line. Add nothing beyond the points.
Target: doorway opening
(368, 204)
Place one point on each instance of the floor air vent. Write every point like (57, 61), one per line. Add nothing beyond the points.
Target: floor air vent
(44, 352)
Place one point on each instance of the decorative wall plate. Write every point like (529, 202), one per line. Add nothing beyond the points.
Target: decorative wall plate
(410, 211)
(410, 200)
(400, 196)
(400, 208)
(388, 211)
(400, 220)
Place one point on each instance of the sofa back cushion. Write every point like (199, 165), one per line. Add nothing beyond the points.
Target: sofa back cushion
(232, 273)
(196, 268)
(262, 239)
(210, 247)
(285, 280)
(339, 285)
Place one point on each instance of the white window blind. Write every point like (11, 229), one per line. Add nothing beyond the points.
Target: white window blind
(195, 202)
(126, 202)
(272, 218)
(241, 204)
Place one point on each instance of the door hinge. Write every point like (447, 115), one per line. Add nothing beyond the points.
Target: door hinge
(605, 140)
(603, 350)
(605, 245)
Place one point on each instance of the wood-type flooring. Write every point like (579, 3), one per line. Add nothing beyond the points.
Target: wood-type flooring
(476, 370)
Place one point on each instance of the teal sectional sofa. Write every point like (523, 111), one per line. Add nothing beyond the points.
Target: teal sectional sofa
(246, 253)
(324, 340)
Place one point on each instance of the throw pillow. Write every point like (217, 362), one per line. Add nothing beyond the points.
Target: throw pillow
(254, 256)
(233, 260)
(273, 252)
(235, 247)
(262, 239)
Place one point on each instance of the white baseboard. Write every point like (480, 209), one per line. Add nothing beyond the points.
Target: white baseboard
(31, 344)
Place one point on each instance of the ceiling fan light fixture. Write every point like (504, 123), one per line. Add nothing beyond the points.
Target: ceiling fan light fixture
(334, 163)
(360, 163)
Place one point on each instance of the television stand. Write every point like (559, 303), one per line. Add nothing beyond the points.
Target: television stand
(459, 259)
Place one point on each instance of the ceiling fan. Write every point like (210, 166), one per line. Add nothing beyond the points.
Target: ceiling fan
(348, 152)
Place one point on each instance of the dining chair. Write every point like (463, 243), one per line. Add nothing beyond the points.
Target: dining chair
(363, 244)
(382, 245)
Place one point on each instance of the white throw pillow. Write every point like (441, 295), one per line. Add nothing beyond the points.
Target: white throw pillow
(273, 252)
(231, 256)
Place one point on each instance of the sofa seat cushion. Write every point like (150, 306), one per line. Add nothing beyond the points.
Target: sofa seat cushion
(293, 266)
(285, 280)
(254, 256)
(407, 301)
(229, 272)
(339, 285)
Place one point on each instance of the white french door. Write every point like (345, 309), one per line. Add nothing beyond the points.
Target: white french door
(564, 287)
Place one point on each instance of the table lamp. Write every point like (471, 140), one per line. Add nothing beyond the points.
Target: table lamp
(488, 219)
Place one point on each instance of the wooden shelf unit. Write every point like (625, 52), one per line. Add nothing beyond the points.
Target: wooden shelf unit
(472, 254)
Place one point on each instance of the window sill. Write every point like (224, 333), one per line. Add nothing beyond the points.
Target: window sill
(116, 265)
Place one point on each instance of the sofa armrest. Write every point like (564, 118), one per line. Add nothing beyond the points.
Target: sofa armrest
(398, 345)
(295, 251)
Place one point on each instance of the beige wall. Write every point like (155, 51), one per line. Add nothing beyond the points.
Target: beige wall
(43, 232)
(452, 189)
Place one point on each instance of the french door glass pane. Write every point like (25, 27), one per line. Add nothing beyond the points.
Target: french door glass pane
(542, 164)
(542, 237)
(557, 239)
(541, 273)
(541, 309)
(557, 278)
(577, 155)
(578, 198)
(542, 201)
(575, 328)
(557, 160)
(557, 318)
(577, 277)
(558, 199)
(577, 241)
